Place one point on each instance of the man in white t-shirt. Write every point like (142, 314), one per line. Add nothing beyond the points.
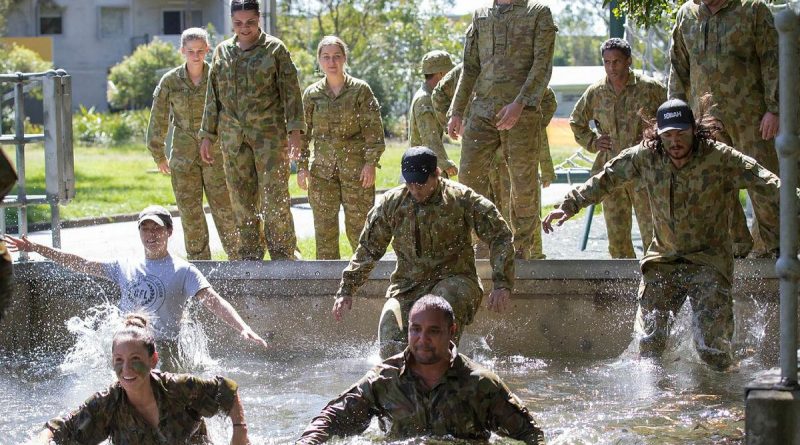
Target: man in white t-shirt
(158, 283)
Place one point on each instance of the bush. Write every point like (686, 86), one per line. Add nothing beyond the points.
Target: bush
(92, 128)
(15, 58)
(137, 75)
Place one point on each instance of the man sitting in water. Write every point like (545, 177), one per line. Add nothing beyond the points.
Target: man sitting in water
(688, 177)
(428, 390)
(158, 283)
(429, 221)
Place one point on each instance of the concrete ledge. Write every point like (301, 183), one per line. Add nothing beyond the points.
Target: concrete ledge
(772, 413)
(564, 308)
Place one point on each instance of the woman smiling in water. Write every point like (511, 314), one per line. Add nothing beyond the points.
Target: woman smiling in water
(146, 406)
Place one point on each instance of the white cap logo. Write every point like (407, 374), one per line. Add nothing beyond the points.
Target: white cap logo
(672, 114)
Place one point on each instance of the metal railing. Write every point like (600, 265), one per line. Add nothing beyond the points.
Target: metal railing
(57, 139)
(788, 146)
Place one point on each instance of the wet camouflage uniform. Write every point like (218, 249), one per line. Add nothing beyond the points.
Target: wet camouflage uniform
(177, 100)
(433, 244)
(508, 57)
(348, 134)
(618, 115)
(253, 100)
(469, 403)
(8, 178)
(425, 128)
(689, 255)
(182, 402)
(733, 55)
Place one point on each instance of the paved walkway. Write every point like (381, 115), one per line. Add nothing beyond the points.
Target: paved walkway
(107, 241)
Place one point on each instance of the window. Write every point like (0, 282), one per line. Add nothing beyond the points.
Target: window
(50, 22)
(113, 22)
(176, 21)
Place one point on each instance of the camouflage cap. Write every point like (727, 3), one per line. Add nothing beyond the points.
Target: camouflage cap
(436, 61)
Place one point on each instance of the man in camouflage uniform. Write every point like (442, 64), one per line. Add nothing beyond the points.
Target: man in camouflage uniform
(253, 100)
(179, 101)
(614, 103)
(424, 127)
(508, 60)
(687, 176)
(499, 181)
(429, 390)
(729, 48)
(429, 221)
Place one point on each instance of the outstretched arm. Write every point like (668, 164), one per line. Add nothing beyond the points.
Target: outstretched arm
(68, 260)
(224, 311)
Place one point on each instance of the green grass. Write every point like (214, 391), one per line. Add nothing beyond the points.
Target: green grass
(123, 179)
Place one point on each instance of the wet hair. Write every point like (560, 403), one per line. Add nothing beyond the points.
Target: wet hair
(618, 44)
(194, 34)
(137, 326)
(705, 126)
(245, 5)
(436, 303)
(332, 40)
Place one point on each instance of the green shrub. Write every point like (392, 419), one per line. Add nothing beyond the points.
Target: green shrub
(15, 58)
(92, 128)
(137, 75)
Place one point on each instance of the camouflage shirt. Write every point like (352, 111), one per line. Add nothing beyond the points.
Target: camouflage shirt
(346, 129)
(425, 128)
(183, 401)
(251, 90)
(508, 57)
(618, 114)
(732, 54)
(442, 94)
(179, 101)
(469, 402)
(690, 217)
(432, 240)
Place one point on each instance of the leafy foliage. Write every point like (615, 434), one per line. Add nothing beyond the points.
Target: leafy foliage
(137, 75)
(646, 13)
(92, 128)
(387, 40)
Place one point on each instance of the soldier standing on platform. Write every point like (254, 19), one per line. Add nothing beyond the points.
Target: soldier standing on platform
(344, 121)
(615, 103)
(253, 100)
(424, 127)
(508, 60)
(729, 48)
(179, 99)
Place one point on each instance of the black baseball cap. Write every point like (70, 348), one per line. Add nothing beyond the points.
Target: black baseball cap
(418, 164)
(157, 214)
(674, 114)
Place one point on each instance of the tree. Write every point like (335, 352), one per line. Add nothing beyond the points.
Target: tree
(386, 38)
(647, 13)
(137, 75)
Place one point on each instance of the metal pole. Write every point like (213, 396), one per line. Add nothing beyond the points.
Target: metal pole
(19, 127)
(788, 146)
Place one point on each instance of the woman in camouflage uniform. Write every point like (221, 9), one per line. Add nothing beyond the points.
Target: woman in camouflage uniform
(344, 120)
(147, 406)
(179, 99)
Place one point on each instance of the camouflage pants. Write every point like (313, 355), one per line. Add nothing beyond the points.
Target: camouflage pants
(520, 148)
(190, 178)
(325, 196)
(464, 295)
(6, 279)
(747, 139)
(257, 173)
(662, 292)
(617, 213)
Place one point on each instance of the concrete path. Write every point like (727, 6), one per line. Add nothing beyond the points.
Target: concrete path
(108, 241)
